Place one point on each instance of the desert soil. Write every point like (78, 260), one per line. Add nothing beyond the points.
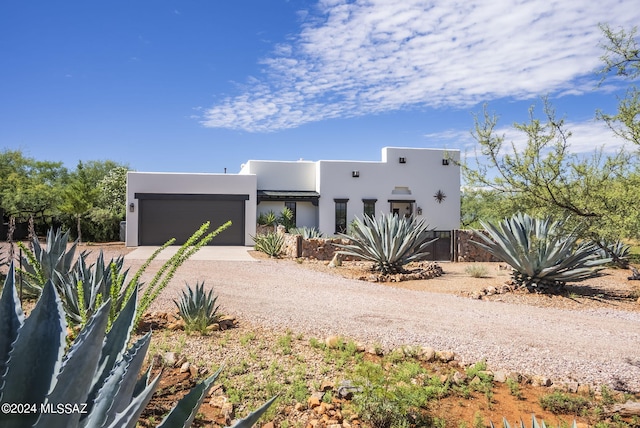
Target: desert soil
(590, 336)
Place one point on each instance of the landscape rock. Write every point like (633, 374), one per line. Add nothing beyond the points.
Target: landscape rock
(445, 356)
(540, 381)
(170, 359)
(426, 354)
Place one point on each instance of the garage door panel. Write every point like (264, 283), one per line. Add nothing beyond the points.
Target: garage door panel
(163, 219)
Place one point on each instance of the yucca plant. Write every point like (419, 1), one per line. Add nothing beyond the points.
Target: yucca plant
(544, 257)
(93, 384)
(269, 243)
(390, 241)
(267, 219)
(306, 232)
(48, 263)
(534, 423)
(197, 308)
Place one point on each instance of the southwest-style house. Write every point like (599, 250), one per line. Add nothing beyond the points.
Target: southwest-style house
(326, 194)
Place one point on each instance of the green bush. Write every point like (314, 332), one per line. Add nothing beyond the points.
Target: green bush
(562, 403)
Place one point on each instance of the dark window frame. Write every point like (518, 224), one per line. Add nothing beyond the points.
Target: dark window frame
(340, 215)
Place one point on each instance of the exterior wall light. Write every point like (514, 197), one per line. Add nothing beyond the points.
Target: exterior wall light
(355, 174)
(132, 207)
(419, 210)
(402, 160)
(445, 161)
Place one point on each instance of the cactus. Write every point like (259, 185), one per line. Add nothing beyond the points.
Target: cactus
(197, 308)
(96, 377)
(390, 241)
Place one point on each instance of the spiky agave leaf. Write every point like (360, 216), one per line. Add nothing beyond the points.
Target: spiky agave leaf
(11, 319)
(35, 358)
(77, 371)
(390, 241)
(184, 412)
(542, 255)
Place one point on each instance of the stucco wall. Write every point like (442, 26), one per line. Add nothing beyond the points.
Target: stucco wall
(157, 182)
(282, 175)
(423, 175)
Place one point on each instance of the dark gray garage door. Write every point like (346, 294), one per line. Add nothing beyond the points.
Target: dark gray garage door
(165, 216)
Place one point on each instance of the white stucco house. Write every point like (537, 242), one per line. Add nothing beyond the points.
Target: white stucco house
(325, 194)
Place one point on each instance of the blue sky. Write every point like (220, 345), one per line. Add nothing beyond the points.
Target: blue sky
(200, 86)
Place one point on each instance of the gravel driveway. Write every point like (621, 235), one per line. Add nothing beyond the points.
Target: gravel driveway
(587, 346)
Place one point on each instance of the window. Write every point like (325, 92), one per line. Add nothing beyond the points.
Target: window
(369, 207)
(341, 215)
(292, 207)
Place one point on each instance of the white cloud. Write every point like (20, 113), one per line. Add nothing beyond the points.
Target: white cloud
(585, 138)
(353, 58)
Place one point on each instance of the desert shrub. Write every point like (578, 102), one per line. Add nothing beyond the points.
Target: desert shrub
(476, 270)
(197, 308)
(559, 402)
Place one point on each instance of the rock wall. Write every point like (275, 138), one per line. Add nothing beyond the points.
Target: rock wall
(468, 252)
(324, 248)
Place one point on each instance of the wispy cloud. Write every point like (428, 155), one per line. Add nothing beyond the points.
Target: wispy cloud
(584, 139)
(356, 58)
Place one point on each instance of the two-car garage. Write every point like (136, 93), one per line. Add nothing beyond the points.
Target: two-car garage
(165, 216)
(162, 206)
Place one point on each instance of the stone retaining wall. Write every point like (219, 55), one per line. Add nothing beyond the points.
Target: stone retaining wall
(468, 252)
(325, 249)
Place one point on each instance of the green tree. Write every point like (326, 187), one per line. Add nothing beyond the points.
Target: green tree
(79, 196)
(544, 178)
(30, 188)
(621, 60)
(113, 191)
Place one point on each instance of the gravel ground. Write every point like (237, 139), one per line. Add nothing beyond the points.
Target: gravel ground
(594, 346)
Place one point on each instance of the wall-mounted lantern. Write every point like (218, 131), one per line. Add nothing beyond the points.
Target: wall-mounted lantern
(445, 161)
(132, 207)
(402, 160)
(419, 210)
(355, 174)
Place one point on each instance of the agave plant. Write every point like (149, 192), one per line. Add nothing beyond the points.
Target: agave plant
(543, 257)
(197, 308)
(618, 251)
(88, 286)
(390, 241)
(534, 423)
(42, 264)
(269, 243)
(306, 232)
(94, 384)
